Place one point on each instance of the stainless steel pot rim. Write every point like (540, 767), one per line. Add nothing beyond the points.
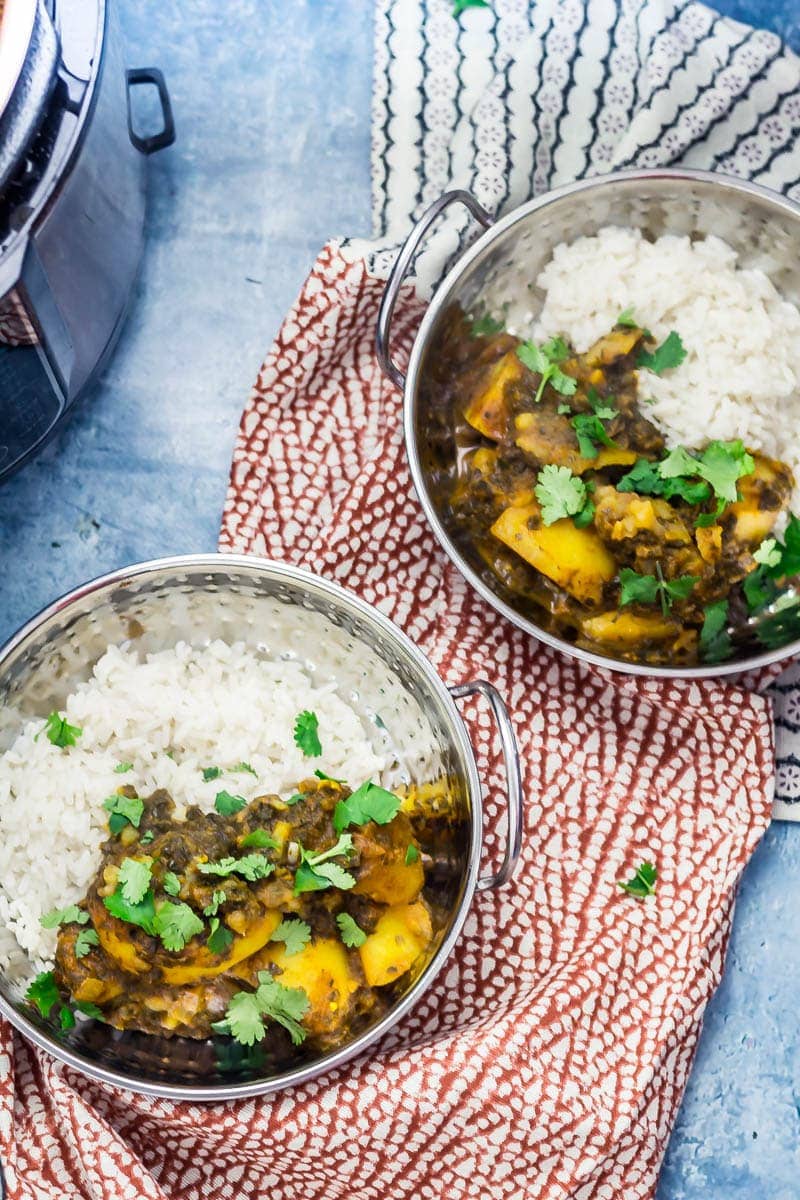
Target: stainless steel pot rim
(301, 576)
(724, 182)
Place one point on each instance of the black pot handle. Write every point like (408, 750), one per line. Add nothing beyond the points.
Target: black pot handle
(149, 145)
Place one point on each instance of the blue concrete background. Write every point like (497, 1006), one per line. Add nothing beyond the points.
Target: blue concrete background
(272, 101)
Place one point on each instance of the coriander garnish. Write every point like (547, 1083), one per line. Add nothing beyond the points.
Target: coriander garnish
(306, 734)
(244, 1018)
(643, 883)
(369, 802)
(59, 732)
(544, 360)
(352, 934)
(295, 934)
(560, 493)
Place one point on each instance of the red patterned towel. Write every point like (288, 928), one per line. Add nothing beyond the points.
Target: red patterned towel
(549, 1058)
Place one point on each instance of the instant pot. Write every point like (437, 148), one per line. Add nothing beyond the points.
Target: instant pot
(72, 202)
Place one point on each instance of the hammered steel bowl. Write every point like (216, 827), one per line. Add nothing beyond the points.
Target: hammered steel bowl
(280, 611)
(502, 263)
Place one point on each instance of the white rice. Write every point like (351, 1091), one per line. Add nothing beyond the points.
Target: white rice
(216, 706)
(741, 376)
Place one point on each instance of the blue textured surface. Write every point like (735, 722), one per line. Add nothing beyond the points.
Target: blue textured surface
(272, 102)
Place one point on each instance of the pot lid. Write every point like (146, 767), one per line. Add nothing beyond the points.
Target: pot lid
(16, 27)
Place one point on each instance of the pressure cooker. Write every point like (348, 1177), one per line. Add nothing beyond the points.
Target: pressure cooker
(72, 204)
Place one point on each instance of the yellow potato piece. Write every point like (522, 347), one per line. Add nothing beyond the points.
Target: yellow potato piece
(612, 346)
(574, 558)
(755, 518)
(392, 883)
(487, 411)
(323, 972)
(627, 628)
(402, 934)
(204, 964)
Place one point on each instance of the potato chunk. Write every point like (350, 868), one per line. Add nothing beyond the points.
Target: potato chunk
(323, 972)
(402, 934)
(549, 438)
(627, 628)
(488, 410)
(203, 964)
(574, 558)
(765, 495)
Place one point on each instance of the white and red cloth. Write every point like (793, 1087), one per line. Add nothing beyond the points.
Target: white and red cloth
(548, 1059)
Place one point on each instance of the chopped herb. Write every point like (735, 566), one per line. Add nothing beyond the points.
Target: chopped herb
(758, 589)
(64, 916)
(176, 924)
(89, 1010)
(84, 942)
(306, 734)
(585, 516)
(147, 837)
(294, 934)
(644, 478)
(485, 326)
(141, 914)
(544, 360)
(123, 810)
(646, 589)
(789, 564)
(627, 319)
(768, 553)
(66, 1018)
(412, 855)
(251, 867)
(315, 873)
(217, 898)
(715, 641)
(134, 878)
(59, 732)
(643, 883)
(295, 799)
(123, 768)
(710, 518)
(560, 493)
(591, 433)
(244, 1018)
(171, 883)
(330, 778)
(227, 804)
(669, 354)
(563, 409)
(367, 803)
(259, 839)
(43, 993)
(210, 773)
(220, 938)
(243, 767)
(461, 6)
(352, 934)
(721, 464)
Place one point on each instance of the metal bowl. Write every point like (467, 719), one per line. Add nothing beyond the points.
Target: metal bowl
(760, 225)
(280, 611)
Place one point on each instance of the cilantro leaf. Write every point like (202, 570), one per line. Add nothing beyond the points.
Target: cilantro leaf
(210, 773)
(591, 433)
(64, 916)
(176, 924)
(220, 938)
(243, 1020)
(227, 804)
(123, 768)
(251, 867)
(217, 898)
(43, 993)
(758, 588)
(680, 588)
(544, 360)
(412, 855)
(369, 802)
(294, 934)
(147, 837)
(329, 778)
(715, 641)
(295, 799)
(556, 350)
(315, 873)
(645, 478)
(560, 493)
(768, 553)
(171, 883)
(485, 326)
(243, 767)
(636, 588)
(335, 875)
(352, 934)
(602, 406)
(643, 883)
(123, 810)
(627, 319)
(134, 878)
(244, 1017)
(706, 519)
(533, 357)
(306, 879)
(84, 942)
(306, 734)
(89, 1010)
(65, 1018)
(141, 914)
(259, 839)
(585, 516)
(669, 354)
(789, 564)
(59, 732)
(722, 464)
(461, 6)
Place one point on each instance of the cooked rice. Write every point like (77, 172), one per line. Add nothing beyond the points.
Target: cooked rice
(741, 376)
(170, 715)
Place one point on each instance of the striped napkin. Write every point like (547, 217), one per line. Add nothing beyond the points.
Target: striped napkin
(517, 98)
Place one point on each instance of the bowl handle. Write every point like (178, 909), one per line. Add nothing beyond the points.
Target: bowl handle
(508, 742)
(401, 266)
